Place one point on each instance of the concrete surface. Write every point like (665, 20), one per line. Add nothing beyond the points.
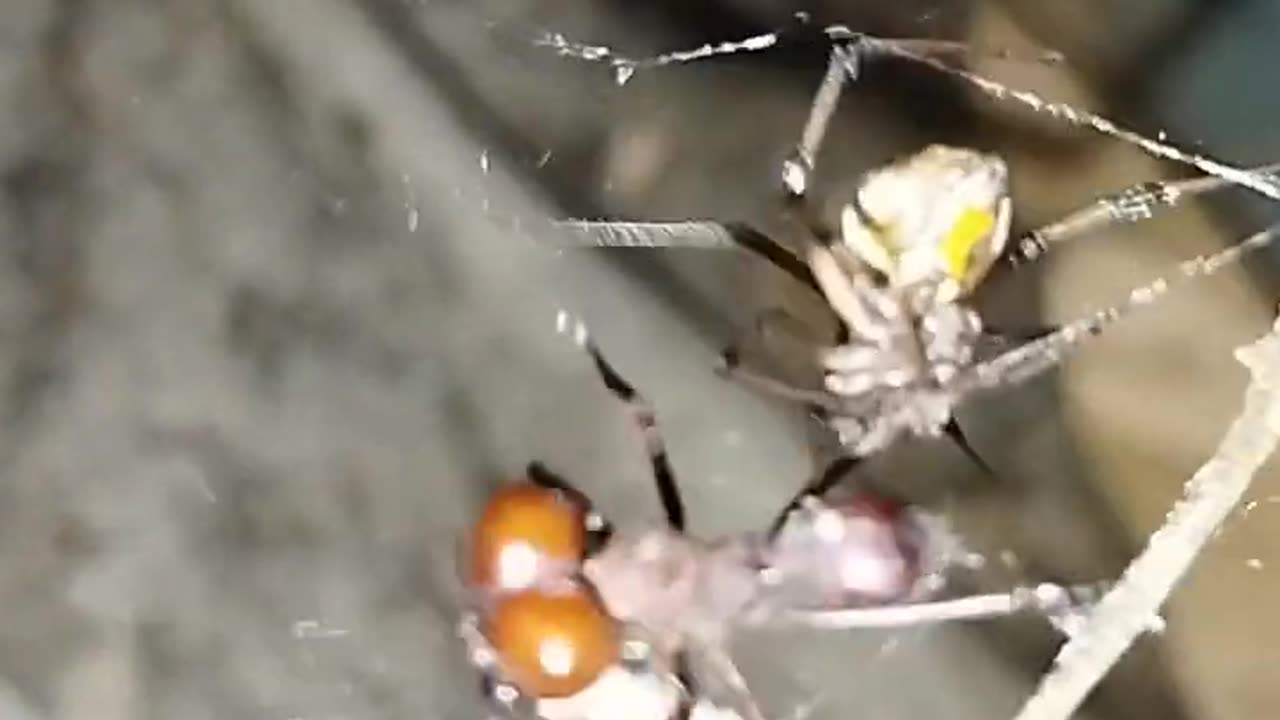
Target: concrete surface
(276, 312)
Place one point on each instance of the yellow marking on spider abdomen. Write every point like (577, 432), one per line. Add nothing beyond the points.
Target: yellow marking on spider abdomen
(973, 225)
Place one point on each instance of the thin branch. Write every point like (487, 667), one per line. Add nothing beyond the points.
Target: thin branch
(1131, 607)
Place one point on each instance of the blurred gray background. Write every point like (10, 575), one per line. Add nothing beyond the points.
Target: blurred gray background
(276, 313)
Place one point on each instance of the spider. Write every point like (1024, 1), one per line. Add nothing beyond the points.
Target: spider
(914, 240)
(568, 618)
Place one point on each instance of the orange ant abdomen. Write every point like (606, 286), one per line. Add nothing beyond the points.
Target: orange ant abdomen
(527, 535)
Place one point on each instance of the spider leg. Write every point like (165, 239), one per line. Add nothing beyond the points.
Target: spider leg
(842, 66)
(693, 234)
(957, 436)
(1030, 359)
(1131, 205)
(817, 486)
(773, 253)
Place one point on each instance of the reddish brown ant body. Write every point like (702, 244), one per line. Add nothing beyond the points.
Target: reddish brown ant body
(570, 619)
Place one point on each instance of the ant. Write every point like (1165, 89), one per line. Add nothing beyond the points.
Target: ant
(569, 618)
(914, 240)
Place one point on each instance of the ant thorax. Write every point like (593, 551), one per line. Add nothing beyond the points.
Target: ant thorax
(675, 587)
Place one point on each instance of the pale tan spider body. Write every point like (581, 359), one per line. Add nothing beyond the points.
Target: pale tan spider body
(916, 238)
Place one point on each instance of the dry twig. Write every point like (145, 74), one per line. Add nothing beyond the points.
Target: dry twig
(1131, 607)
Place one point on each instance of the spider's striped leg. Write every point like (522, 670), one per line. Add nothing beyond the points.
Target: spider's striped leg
(848, 50)
(1013, 336)
(798, 169)
(773, 253)
(842, 66)
(694, 234)
(957, 436)
(1131, 205)
(1030, 359)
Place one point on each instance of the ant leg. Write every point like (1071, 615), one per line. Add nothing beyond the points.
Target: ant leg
(688, 687)
(663, 476)
(543, 476)
(817, 486)
(599, 529)
(1030, 359)
(727, 671)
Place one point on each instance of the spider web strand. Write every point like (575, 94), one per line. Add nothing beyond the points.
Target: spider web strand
(625, 67)
(1082, 118)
